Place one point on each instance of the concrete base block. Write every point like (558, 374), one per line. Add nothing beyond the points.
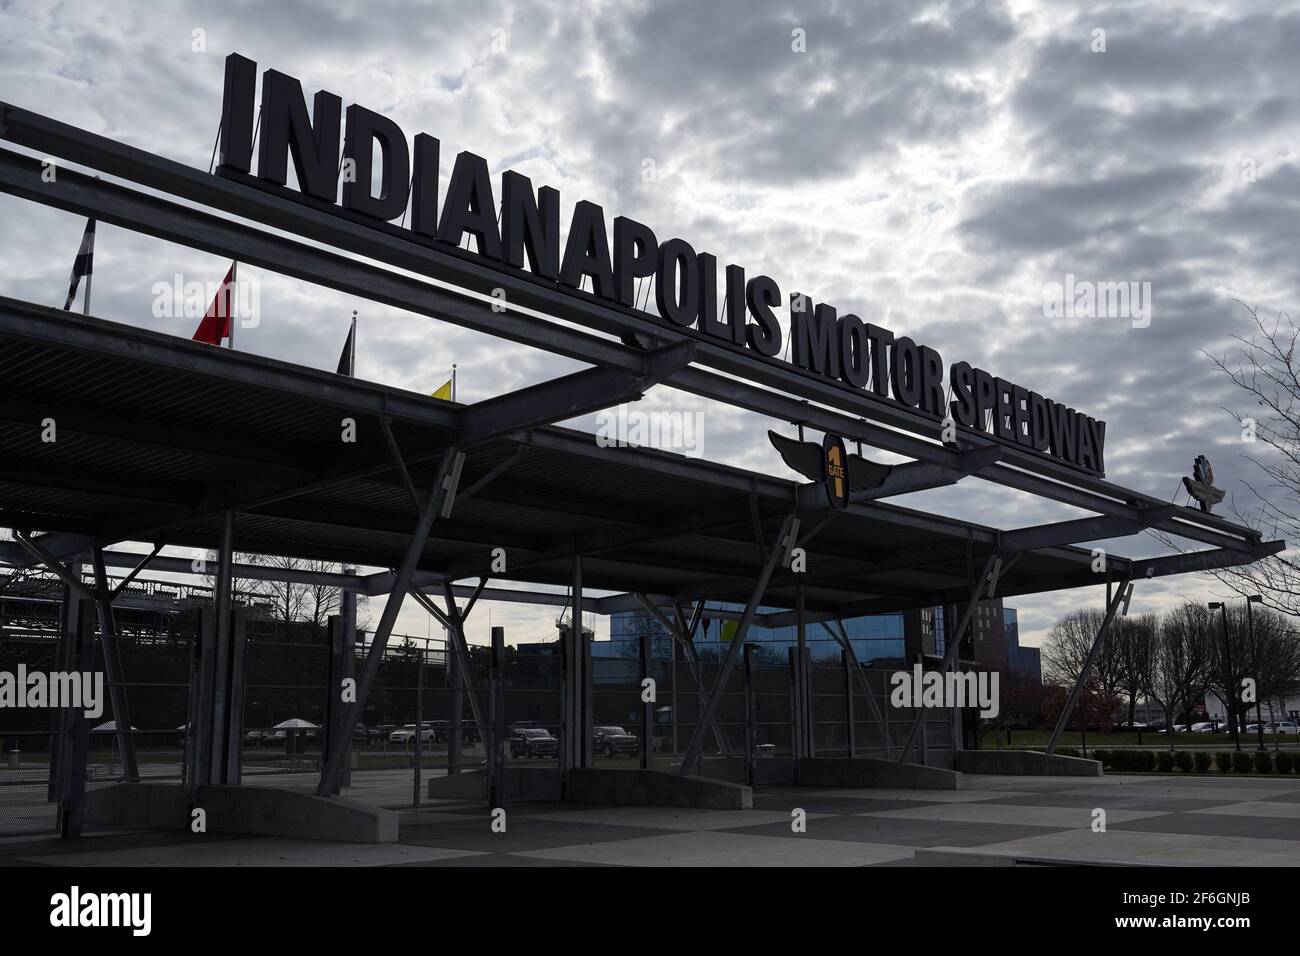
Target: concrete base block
(257, 811)
(466, 785)
(874, 772)
(518, 785)
(137, 805)
(656, 788)
(1026, 762)
(768, 771)
(271, 811)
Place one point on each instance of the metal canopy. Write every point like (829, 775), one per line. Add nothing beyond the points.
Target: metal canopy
(157, 436)
(826, 405)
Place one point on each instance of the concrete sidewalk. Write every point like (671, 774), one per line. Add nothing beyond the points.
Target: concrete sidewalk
(1176, 820)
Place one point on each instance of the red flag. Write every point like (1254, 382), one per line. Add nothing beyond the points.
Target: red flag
(216, 322)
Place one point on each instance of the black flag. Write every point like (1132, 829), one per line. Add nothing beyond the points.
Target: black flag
(348, 360)
(83, 265)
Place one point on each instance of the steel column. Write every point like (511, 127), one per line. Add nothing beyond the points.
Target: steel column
(751, 732)
(334, 684)
(647, 706)
(495, 735)
(113, 668)
(61, 717)
(456, 705)
(71, 811)
(238, 670)
(201, 729)
(419, 729)
(850, 730)
(222, 593)
(348, 613)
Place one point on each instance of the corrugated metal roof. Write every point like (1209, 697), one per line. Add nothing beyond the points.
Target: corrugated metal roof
(152, 435)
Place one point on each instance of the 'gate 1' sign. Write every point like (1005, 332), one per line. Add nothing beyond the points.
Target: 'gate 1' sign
(686, 282)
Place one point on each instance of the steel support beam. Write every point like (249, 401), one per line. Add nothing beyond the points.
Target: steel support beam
(1120, 599)
(690, 759)
(979, 589)
(684, 634)
(348, 715)
(841, 637)
(113, 669)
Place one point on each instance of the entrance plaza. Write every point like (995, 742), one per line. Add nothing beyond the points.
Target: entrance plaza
(230, 740)
(993, 820)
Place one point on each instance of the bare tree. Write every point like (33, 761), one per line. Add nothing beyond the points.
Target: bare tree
(1174, 658)
(1274, 659)
(292, 600)
(1266, 368)
(1186, 641)
(1133, 638)
(1066, 649)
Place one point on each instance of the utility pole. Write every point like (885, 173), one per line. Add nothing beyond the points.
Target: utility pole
(1230, 682)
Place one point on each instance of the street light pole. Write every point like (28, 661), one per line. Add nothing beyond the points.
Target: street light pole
(1254, 653)
(1229, 682)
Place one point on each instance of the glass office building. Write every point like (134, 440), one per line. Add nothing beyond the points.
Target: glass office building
(877, 637)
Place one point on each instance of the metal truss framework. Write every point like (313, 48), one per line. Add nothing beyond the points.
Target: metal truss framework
(748, 511)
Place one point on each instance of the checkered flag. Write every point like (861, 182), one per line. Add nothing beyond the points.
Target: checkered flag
(84, 264)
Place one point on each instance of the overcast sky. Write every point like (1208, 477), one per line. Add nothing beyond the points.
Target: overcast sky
(930, 167)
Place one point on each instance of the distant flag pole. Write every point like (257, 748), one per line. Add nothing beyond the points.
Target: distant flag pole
(453, 379)
(82, 266)
(348, 360)
(218, 321)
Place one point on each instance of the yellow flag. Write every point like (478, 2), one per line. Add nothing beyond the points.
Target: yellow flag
(444, 392)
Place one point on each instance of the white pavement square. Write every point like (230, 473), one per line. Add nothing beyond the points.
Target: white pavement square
(914, 796)
(669, 818)
(1255, 808)
(1011, 815)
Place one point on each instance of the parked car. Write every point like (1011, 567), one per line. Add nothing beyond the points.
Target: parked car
(533, 742)
(1178, 729)
(405, 734)
(1136, 725)
(614, 740)
(1206, 727)
(1285, 727)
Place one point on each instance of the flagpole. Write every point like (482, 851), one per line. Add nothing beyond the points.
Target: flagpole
(453, 381)
(85, 305)
(230, 299)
